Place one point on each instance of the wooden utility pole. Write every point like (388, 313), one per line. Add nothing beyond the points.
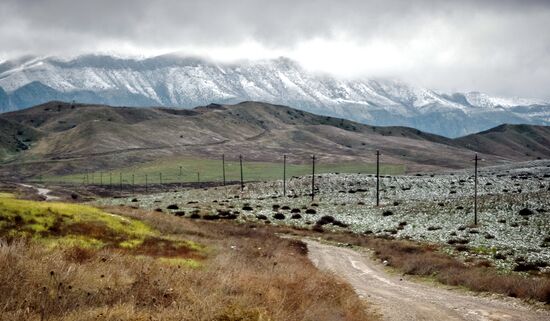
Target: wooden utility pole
(241, 163)
(284, 175)
(223, 168)
(377, 178)
(475, 189)
(312, 178)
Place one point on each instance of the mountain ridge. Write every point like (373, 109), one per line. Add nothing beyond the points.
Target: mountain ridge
(62, 138)
(186, 82)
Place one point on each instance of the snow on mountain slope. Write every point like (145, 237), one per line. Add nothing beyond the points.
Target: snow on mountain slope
(171, 80)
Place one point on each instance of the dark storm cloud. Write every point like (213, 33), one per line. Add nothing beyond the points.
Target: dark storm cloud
(502, 46)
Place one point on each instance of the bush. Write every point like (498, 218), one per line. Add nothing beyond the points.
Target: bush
(279, 216)
(526, 212)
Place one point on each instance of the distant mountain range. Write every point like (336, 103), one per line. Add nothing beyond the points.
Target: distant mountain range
(176, 81)
(61, 138)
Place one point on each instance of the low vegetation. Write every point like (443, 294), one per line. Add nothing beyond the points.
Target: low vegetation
(127, 266)
(211, 171)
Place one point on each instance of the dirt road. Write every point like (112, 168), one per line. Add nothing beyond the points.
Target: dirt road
(398, 299)
(42, 192)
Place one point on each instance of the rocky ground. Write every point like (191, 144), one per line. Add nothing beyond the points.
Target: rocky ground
(513, 229)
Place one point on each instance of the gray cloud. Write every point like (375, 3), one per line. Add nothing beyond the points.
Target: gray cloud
(499, 46)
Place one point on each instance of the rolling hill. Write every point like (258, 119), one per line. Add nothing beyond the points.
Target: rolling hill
(68, 138)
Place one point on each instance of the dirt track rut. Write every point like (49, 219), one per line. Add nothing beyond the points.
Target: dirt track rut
(399, 299)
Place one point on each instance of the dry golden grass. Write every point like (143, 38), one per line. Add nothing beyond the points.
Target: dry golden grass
(248, 274)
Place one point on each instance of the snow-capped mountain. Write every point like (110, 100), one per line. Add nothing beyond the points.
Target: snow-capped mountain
(172, 80)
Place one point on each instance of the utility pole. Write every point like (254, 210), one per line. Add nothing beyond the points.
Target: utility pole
(284, 175)
(181, 171)
(377, 178)
(241, 163)
(223, 168)
(312, 177)
(475, 189)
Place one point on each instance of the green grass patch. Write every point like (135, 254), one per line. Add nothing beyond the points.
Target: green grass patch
(210, 170)
(64, 224)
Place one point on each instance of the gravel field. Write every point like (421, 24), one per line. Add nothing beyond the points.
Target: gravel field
(513, 230)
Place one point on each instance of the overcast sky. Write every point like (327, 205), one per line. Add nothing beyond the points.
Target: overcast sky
(497, 46)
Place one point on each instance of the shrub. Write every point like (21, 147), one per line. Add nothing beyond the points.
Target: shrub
(279, 216)
(526, 212)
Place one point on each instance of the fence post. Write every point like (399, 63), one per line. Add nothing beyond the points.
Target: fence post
(223, 168)
(241, 163)
(284, 175)
(181, 176)
(313, 178)
(377, 178)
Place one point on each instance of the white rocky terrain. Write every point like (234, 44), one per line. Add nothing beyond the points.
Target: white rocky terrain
(513, 227)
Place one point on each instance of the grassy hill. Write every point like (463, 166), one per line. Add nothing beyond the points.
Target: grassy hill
(512, 141)
(73, 138)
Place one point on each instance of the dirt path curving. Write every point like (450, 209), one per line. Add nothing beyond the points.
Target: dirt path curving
(398, 299)
(42, 192)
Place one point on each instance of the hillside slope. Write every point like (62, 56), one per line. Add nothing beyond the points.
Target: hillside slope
(95, 137)
(184, 82)
(511, 141)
